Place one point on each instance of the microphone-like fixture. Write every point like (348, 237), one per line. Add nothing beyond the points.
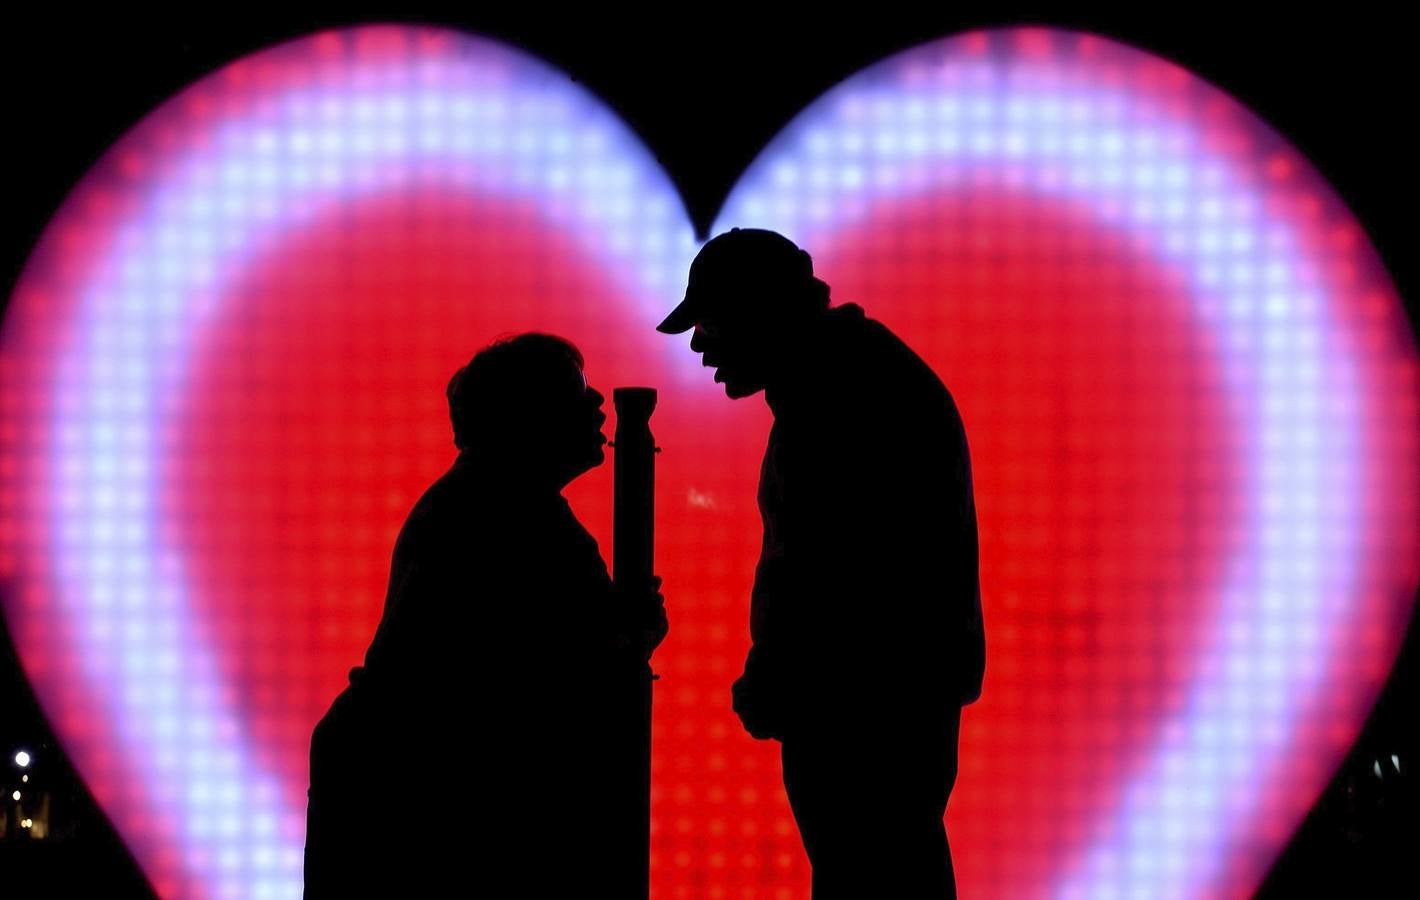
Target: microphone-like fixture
(633, 540)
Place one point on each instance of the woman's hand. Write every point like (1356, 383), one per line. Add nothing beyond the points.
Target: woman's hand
(645, 611)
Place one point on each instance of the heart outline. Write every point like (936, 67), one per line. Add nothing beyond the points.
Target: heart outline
(649, 284)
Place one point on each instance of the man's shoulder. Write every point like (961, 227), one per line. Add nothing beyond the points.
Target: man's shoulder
(880, 361)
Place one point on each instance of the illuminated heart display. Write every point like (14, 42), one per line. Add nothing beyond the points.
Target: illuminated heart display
(1189, 387)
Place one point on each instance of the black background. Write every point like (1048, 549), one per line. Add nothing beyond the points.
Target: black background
(706, 88)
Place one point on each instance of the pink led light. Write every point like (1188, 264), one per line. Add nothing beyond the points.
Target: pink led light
(1189, 387)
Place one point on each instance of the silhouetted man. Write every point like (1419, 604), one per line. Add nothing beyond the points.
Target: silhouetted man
(866, 611)
(471, 754)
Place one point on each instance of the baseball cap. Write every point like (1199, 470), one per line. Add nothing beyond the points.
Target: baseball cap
(735, 266)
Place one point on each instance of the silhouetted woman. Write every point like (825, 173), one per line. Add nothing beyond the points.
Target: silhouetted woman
(467, 756)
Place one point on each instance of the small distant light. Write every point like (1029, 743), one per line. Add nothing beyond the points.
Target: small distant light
(1395, 762)
(15, 796)
(27, 823)
(1376, 768)
(24, 779)
(22, 759)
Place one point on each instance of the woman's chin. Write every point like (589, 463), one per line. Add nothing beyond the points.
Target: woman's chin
(594, 458)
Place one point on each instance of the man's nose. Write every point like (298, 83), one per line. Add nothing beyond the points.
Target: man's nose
(697, 340)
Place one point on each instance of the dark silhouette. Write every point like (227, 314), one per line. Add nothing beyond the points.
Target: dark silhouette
(482, 746)
(633, 570)
(866, 609)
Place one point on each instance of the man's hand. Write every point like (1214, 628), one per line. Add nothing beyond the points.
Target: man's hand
(756, 701)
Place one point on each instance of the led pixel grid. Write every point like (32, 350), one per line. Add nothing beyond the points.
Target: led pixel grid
(1189, 387)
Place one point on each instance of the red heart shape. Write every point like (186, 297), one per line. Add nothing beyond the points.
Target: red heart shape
(1117, 463)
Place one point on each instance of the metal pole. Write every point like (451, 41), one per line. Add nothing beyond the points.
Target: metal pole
(633, 545)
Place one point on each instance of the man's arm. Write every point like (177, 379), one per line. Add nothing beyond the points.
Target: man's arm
(881, 538)
(758, 694)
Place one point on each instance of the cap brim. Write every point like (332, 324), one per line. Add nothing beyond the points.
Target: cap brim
(681, 319)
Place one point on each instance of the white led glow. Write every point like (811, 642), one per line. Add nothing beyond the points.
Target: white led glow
(338, 121)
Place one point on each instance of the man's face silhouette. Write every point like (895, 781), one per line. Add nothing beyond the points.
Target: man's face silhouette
(736, 348)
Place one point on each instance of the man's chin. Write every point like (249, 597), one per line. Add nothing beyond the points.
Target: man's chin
(738, 390)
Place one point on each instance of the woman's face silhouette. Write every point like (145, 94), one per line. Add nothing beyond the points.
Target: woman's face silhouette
(576, 441)
(538, 420)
